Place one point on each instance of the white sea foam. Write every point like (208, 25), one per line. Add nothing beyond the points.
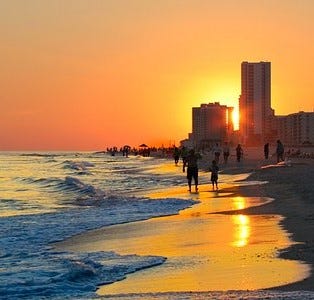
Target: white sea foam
(42, 202)
(48, 197)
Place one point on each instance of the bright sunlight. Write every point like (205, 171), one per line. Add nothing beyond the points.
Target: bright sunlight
(236, 118)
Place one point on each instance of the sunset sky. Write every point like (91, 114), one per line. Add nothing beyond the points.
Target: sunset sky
(87, 74)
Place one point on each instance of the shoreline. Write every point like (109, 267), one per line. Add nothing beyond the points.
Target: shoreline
(272, 190)
(292, 188)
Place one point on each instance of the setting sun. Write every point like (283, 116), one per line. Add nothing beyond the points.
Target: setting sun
(144, 144)
(130, 74)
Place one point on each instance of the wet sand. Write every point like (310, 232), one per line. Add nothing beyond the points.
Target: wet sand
(205, 250)
(226, 251)
(292, 187)
(293, 190)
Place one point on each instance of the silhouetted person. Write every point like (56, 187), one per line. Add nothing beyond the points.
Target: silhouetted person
(216, 151)
(226, 152)
(280, 151)
(184, 154)
(214, 174)
(266, 150)
(239, 152)
(192, 168)
(176, 155)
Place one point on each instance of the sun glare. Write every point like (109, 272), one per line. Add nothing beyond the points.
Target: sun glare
(236, 118)
(210, 90)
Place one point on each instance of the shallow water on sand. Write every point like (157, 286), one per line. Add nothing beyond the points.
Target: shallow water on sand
(205, 249)
(49, 197)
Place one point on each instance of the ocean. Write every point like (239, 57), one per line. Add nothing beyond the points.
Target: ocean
(49, 197)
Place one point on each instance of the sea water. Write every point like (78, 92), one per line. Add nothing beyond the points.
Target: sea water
(48, 197)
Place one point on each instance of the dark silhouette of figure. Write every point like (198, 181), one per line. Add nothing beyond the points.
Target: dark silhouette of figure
(126, 150)
(176, 155)
(216, 151)
(280, 151)
(113, 151)
(192, 168)
(226, 152)
(184, 154)
(239, 152)
(266, 150)
(214, 174)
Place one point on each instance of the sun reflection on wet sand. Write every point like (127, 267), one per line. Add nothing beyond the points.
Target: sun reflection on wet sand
(205, 250)
(242, 230)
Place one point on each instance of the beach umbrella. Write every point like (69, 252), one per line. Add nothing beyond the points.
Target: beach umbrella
(143, 146)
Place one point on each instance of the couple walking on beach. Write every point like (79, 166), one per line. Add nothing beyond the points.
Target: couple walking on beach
(192, 170)
(279, 151)
(225, 150)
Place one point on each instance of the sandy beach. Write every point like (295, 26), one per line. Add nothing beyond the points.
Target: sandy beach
(293, 190)
(288, 217)
(292, 187)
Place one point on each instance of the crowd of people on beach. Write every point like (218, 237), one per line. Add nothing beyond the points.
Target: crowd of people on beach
(127, 150)
(190, 160)
(190, 157)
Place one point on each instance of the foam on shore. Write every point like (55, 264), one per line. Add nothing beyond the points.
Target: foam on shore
(205, 249)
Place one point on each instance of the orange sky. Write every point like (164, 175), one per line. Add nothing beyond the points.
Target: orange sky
(87, 74)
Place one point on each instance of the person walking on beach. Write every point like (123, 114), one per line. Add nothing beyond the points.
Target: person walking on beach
(184, 154)
(266, 150)
(226, 152)
(214, 174)
(192, 168)
(216, 151)
(176, 155)
(239, 152)
(280, 151)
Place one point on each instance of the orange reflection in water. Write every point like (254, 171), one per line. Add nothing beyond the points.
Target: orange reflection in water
(205, 250)
(241, 223)
(242, 230)
(239, 202)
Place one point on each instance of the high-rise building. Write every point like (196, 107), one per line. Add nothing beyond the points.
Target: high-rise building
(211, 123)
(296, 129)
(255, 109)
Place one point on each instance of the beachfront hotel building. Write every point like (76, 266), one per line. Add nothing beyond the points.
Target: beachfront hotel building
(211, 123)
(296, 129)
(256, 114)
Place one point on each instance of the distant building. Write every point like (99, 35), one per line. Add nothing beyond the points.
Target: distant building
(256, 114)
(211, 123)
(296, 129)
